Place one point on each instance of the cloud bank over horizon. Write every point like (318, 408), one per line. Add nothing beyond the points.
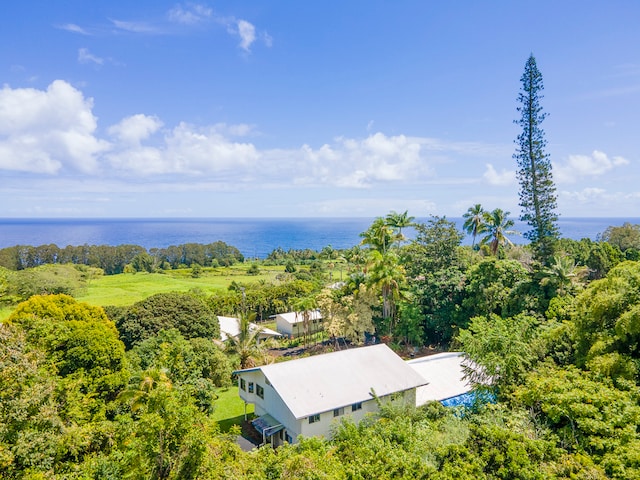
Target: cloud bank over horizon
(53, 133)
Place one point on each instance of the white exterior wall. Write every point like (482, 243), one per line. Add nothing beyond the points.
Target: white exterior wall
(284, 327)
(275, 406)
(296, 329)
(327, 421)
(271, 403)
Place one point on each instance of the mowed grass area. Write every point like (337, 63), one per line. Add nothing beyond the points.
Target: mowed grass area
(229, 408)
(128, 288)
(5, 312)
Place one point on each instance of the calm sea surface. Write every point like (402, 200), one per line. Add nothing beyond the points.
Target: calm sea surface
(253, 237)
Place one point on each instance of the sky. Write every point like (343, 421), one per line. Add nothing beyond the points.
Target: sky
(311, 109)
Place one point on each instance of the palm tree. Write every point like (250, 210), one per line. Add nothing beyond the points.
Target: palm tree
(379, 236)
(497, 229)
(388, 274)
(141, 386)
(563, 274)
(400, 221)
(355, 257)
(474, 222)
(246, 344)
(303, 307)
(330, 255)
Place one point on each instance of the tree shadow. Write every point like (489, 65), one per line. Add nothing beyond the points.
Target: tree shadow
(227, 423)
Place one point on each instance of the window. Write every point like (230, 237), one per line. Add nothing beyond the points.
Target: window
(250, 387)
(356, 406)
(289, 438)
(243, 384)
(338, 411)
(259, 390)
(314, 418)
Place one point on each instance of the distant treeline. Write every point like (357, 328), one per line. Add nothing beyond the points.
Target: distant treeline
(114, 259)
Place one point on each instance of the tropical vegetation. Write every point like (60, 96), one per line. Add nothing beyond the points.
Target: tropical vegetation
(98, 389)
(131, 391)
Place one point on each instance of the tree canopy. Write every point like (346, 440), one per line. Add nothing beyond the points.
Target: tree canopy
(188, 313)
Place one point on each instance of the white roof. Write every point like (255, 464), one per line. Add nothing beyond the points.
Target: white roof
(230, 327)
(322, 383)
(297, 317)
(444, 374)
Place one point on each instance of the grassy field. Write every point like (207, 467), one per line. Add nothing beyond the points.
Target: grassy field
(128, 288)
(229, 408)
(5, 312)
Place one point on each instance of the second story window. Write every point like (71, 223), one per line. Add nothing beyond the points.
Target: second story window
(356, 406)
(250, 387)
(259, 390)
(243, 384)
(314, 418)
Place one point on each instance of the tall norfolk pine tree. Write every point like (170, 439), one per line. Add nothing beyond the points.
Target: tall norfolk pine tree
(537, 190)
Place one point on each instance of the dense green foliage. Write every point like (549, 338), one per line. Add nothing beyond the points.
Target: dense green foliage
(115, 259)
(264, 299)
(626, 237)
(188, 313)
(133, 393)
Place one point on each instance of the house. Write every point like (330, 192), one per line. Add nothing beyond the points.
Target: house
(230, 327)
(309, 396)
(444, 374)
(292, 324)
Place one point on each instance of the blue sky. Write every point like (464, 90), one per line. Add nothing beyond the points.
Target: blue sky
(302, 109)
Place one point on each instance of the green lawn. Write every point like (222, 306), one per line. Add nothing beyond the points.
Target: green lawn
(5, 312)
(229, 408)
(128, 288)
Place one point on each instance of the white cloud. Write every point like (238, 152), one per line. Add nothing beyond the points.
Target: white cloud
(132, 130)
(84, 56)
(501, 179)
(580, 166)
(247, 34)
(46, 131)
(136, 27)
(589, 194)
(55, 131)
(178, 20)
(190, 15)
(185, 150)
(72, 27)
(237, 130)
(359, 163)
(267, 39)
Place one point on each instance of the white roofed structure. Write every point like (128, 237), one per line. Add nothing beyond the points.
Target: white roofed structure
(444, 375)
(336, 379)
(306, 396)
(230, 327)
(292, 324)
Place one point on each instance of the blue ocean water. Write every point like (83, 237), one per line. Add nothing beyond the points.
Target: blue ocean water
(253, 237)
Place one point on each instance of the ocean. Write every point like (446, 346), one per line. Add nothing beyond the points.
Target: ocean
(254, 237)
